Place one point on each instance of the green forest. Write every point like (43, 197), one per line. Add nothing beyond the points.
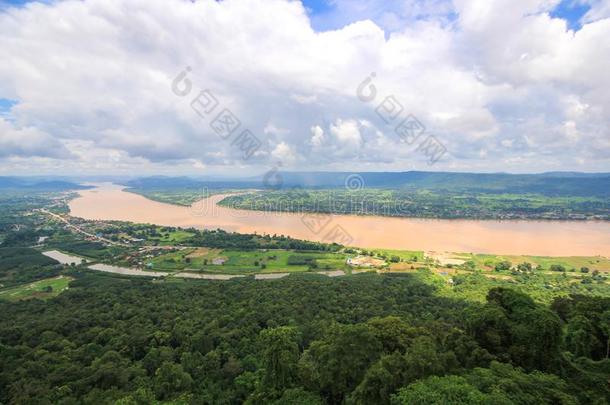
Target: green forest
(425, 204)
(495, 329)
(302, 340)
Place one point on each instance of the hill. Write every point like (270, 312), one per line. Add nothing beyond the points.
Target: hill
(38, 184)
(551, 184)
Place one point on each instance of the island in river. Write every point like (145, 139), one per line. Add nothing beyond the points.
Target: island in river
(544, 238)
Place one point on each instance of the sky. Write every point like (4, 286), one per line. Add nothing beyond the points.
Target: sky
(140, 87)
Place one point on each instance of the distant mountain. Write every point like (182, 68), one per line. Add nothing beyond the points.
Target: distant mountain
(550, 184)
(170, 183)
(38, 184)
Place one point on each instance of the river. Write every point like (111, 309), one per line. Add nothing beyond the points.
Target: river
(543, 238)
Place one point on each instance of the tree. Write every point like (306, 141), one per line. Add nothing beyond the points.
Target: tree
(279, 357)
(423, 358)
(337, 363)
(449, 390)
(503, 266)
(520, 387)
(381, 380)
(513, 327)
(580, 338)
(298, 396)
(605, 327)
(171, 380)
(500, 384)
(394, 333)
(142, 396)
(557, 267)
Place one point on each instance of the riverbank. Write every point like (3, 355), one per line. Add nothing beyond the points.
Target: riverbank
(540, 238)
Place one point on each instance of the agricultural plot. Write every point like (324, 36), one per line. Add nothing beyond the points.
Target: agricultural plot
(247, 261)
(177, 236)
(599, 263)
(404, 255)
(42, 289)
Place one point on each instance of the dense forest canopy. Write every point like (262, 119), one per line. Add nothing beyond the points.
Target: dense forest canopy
(362, 339)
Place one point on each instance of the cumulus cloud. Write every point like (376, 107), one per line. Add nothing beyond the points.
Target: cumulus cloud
(502, 84)
(29, 141)
(317, 135)
(346, 133)
(283, 153)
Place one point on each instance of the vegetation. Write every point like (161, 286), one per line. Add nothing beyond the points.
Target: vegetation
(229, 261)
(184, 196)
(361, 339)
(482, 329)
(408, 194)
(42, 289)
(22, 265)
(182, 190)
(548, 184)
(425, 204)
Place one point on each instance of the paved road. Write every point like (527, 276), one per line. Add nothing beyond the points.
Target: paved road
(79, 230)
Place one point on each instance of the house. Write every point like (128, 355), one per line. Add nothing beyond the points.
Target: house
(364, 261)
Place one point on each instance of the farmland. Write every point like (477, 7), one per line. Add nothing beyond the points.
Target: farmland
(42, 289)
(228, 261)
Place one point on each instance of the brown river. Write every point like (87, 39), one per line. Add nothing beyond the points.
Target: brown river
(543, 238)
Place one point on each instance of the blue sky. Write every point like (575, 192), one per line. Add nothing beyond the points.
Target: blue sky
(4, 3)
(326, 15)
(5, 107)
(571, 11)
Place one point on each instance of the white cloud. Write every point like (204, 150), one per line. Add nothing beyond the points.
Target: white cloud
(283, 153)
(502, 84)
(347, 133)
(317, 136)
(29, 141)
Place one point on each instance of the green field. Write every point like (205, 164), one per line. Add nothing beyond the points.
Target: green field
(43, 289)
(404, 255)
(230, 261)
(599, 263)
(177, 236)
(184, 197)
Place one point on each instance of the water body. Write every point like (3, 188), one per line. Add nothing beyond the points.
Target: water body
(543, 238)
(126, 271)
(63, 258)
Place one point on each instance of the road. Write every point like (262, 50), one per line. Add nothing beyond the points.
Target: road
(79, 230)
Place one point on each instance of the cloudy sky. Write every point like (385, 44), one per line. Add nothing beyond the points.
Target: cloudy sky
(92, 87)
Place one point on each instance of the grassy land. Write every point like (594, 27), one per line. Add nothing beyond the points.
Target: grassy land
(184, 197)
(404, 255)
(229, 261)
(477, 275)
(43, 289)
(600, 263)
(174, 236)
